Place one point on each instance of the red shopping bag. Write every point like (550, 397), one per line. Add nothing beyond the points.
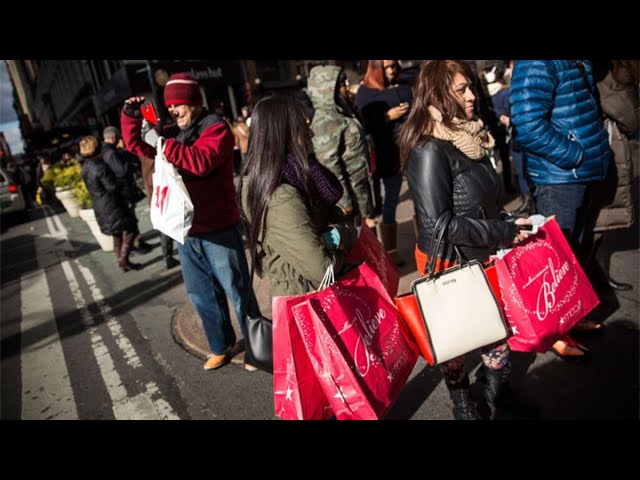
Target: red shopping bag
(359, 346)
(297, 393)
(545, 292)
(369, 249)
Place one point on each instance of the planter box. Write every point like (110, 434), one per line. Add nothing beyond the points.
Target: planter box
(105, 241)
(69, 201)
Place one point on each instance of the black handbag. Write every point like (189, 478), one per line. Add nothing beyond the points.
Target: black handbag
(259, 341)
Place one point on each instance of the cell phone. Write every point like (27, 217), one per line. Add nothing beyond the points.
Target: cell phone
(149, 113)
(529, 228)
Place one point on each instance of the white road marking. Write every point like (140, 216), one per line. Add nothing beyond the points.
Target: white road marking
(47, 393)
(163, 408)
(46, 388)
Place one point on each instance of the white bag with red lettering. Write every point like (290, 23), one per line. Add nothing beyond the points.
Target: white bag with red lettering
(171, 206)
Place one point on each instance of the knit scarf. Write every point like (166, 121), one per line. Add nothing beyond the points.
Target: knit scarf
(326, 183)
(471, 138)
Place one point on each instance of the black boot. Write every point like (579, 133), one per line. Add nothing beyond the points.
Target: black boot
(167, 252)
(464, 407)
(499, 395)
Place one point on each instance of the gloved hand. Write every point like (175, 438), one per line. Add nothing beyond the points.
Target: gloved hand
(331, 237)
(132, 106)
(150, 133)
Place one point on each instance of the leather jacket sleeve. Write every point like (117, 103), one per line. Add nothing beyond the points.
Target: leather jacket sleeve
(430, 180)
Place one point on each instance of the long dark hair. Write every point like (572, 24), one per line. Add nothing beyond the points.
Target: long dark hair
(278, 129)
(433, 87)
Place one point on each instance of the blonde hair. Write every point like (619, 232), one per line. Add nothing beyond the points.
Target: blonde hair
(88, 146)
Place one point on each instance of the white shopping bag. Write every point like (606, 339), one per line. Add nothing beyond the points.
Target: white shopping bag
(171, 206)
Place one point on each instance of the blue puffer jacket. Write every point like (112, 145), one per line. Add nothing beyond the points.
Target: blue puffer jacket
(555, 118)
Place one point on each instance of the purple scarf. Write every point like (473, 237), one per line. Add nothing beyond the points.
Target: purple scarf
(326, 183)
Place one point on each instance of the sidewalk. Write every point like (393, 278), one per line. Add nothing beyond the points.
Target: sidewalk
(187, 327)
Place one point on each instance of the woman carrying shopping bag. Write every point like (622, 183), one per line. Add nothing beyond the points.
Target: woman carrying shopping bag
(295, 231)
(443, 149)
(294, 228)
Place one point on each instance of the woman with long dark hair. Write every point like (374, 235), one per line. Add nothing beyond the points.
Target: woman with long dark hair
(294, 229)
(444, 150)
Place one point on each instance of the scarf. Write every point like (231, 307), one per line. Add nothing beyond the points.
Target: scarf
(472, 139)
(326, 183)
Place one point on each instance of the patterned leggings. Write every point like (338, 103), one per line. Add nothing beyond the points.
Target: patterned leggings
(494, 356)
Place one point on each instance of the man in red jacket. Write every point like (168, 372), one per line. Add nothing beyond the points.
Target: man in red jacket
(200, 145)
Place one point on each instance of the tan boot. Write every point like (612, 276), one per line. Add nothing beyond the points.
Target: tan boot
(388, 234)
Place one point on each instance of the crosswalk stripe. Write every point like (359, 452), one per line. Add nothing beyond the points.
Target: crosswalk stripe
(163, 408)
(46, 388)
(146, 405)
(124, 408)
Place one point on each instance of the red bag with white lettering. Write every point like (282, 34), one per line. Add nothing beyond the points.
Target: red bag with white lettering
(297, 394)
(358, 343)
(171, 207)
(545, 292)
(369, 249)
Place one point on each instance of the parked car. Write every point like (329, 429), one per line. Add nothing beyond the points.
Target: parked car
(11, 196)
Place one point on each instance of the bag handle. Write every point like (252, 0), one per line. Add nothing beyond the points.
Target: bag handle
(440, 228)
(160, 145)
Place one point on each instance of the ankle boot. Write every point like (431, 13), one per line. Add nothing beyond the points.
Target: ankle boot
(389, 237)
(498, 394)
(464, 408)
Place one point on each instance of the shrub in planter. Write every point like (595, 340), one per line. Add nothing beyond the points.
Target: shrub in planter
(80, 189)
(62, 177)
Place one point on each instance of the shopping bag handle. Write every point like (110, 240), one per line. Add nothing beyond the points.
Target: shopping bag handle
(440, 228)
(160, 146)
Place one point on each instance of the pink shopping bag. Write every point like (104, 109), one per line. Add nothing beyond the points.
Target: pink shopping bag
(545, 292)
(359, 346)
(297, 393)
(369, 249)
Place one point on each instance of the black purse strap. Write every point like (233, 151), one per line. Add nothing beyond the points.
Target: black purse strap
(439, 230)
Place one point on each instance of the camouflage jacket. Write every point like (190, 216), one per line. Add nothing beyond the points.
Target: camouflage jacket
(339, 139)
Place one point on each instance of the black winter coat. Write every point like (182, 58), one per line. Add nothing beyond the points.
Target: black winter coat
(122, 164)
(111, 211)
(443, 178)
(373, 105)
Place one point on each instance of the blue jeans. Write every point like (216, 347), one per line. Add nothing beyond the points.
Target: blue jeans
(214, 266)
(392, 187)
(569, 203)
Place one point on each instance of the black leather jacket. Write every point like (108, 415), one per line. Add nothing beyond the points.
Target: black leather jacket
(442, 178)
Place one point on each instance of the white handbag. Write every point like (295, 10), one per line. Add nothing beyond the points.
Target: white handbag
(457, 305)
(171, 207)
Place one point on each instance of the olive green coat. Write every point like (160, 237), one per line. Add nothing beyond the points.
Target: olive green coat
(293, 249)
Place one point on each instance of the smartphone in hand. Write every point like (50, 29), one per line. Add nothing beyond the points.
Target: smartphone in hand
(533, 229)
(149, 113)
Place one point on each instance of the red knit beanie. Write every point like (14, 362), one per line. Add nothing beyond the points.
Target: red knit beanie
(182, 89)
